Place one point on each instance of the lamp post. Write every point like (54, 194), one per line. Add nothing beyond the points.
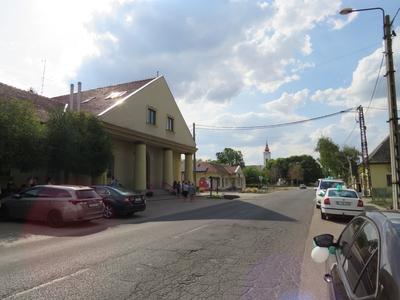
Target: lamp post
(392, 104)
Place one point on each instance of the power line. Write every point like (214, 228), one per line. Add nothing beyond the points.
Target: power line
(394, 18)
(351, 132)
(376, 83)
(210, 127)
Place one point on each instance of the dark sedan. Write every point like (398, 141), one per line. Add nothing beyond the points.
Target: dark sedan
(364, 263)
(120, 201)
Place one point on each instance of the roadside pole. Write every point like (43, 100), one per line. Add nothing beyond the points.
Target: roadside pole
(393, 118)
(194, 158)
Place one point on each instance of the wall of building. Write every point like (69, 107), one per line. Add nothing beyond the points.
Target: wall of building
(378, 175)
(124, 162)
(156, 96)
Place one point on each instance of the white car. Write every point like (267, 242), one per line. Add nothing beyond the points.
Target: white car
(323, 185)
(341, 202)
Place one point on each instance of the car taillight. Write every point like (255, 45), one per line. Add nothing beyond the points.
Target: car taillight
(75, 201)
(360, 203)
(127, 199)
(327, 201)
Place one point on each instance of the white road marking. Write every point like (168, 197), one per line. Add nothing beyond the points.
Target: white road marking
(190, 231)
(47, 284)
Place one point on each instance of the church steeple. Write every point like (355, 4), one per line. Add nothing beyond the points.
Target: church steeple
(266, 146)
(267, 153)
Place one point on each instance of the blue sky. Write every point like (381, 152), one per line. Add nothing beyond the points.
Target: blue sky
(227, 62)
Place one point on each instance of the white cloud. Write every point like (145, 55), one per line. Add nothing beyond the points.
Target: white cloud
(288, 103)
(341, 22)
(47, 30)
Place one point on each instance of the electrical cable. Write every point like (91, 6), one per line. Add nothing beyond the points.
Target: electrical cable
(376, 83)
(394, 18)
(210, 127)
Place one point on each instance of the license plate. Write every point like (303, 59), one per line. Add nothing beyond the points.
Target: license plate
(343, 203)
(138, 200)
(93, 204)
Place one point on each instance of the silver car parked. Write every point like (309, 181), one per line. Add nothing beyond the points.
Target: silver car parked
(54, 204)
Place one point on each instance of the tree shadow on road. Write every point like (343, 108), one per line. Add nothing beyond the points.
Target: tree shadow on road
(12, 231)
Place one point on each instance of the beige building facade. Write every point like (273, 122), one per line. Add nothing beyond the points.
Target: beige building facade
(149, 133)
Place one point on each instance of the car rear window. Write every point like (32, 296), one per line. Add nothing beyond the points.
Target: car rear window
(330, 184)
(122, 190)
(86, 194)
(342, 193)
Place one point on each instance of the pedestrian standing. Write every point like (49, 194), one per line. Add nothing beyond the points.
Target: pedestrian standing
(178, 189)
(174, 187)
(192, 191)
(185, 190)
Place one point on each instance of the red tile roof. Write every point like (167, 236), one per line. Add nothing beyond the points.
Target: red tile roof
(97, 100)
(210, 167)
(42, 104)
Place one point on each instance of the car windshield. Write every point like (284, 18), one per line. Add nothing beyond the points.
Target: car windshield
(342, 193)
(330, 184)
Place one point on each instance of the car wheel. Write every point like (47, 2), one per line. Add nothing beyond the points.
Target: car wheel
(323, 216)
(54, 219)
(317, 206)
(108, 212)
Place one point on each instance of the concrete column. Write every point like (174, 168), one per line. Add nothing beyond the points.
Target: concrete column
(177, 167)
(189, 167)
(168, 170)
(140, 167)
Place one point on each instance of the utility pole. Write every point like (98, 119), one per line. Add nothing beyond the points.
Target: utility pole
(392, 104)
(194, 156)
(393, 119)
(366, 174)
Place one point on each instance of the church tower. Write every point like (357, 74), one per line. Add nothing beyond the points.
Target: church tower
(267, 154)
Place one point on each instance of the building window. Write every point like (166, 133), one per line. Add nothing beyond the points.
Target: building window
(170, 124)
(389, 180)
(151, 116)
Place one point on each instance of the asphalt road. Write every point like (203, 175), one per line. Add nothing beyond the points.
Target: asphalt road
(236, 249)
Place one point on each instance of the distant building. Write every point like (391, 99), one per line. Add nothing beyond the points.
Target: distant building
(218, 175)
(267, 154)
(379, 164)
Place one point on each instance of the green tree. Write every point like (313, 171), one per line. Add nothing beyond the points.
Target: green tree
(252, 175)
(351, 157)
(295, 172)
(77, 143)
(308, 170)
(21, 136)
(329, 157)
(230, 157)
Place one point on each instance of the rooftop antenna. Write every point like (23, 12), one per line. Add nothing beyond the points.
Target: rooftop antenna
(158, 73)
(44, 70)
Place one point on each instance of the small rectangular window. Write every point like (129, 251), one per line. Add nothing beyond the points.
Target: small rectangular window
(151, 116)
(170, 124)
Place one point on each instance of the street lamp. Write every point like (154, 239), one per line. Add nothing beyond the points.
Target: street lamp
(392, 104)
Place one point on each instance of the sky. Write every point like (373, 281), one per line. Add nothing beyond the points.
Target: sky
(228, 63)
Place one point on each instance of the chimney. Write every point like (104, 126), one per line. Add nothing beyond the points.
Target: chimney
(71, 98)
(78, 98)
